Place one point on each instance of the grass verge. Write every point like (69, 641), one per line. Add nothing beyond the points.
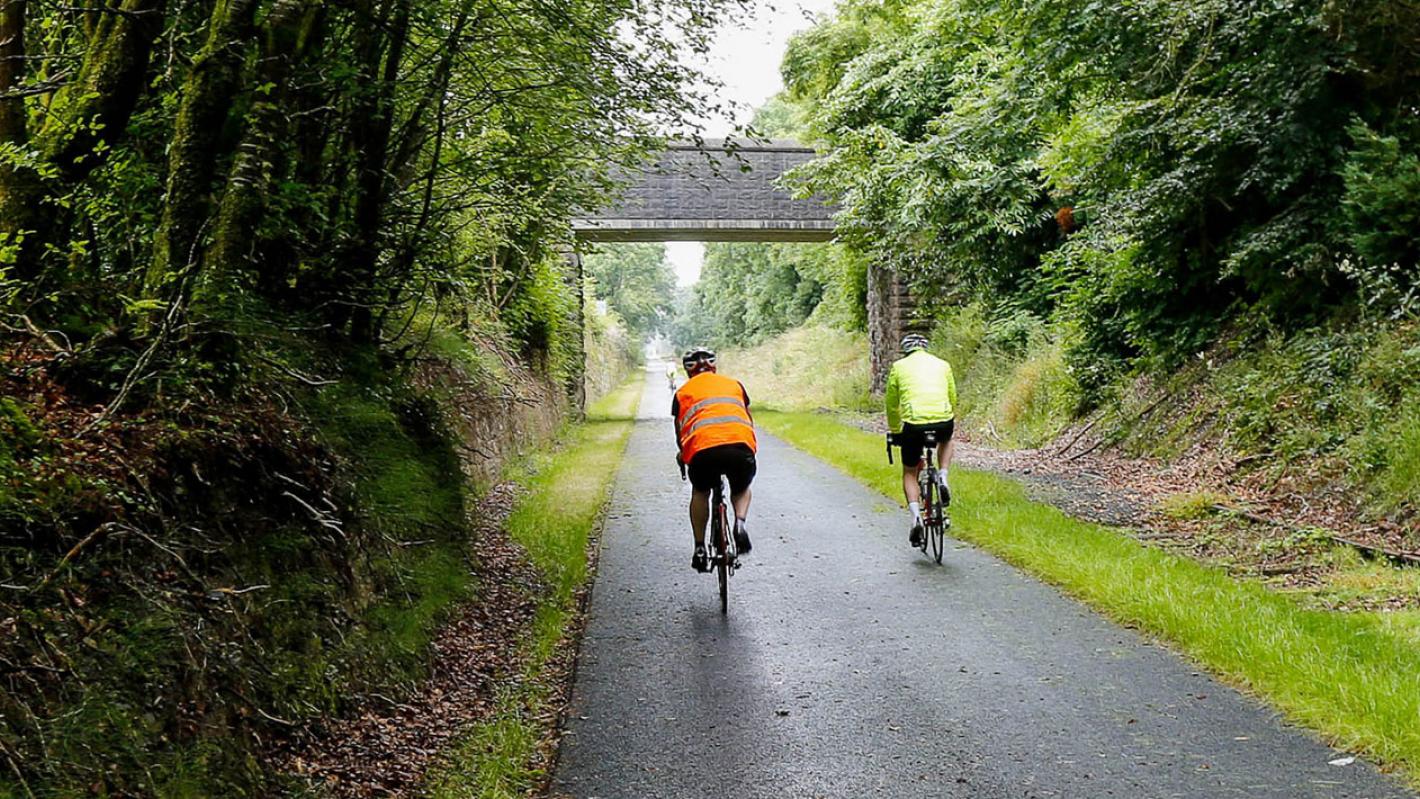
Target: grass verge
(1354, 677)
(566, 493)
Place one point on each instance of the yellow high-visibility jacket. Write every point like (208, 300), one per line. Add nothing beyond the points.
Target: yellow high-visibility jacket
(920, 390)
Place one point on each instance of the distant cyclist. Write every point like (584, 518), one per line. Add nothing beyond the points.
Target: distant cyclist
(670, 375)
(921, 396)
(715, 434)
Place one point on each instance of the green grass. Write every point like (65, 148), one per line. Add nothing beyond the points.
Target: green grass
(1192, 504)
(805, 368)
(554, 521)
(1355, 678)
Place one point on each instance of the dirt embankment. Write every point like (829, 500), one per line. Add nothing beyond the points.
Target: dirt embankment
(197, 578)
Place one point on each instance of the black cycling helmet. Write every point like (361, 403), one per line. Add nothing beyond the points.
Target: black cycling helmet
(913, 341)
(697, 360)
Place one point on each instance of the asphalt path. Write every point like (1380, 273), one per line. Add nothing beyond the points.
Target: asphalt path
(849, 665)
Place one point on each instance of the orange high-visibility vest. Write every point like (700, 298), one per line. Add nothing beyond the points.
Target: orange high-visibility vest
(711, 413)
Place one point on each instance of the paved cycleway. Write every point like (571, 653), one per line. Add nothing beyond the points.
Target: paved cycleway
(849, 665)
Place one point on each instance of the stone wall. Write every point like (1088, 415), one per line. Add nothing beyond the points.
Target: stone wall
(495, 419)
(892, 314)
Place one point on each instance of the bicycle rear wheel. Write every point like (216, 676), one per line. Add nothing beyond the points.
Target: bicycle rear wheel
(935, 531)
(929, 505)
(723, 555)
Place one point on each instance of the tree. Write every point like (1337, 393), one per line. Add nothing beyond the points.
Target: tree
(1199, 154)
(637, 282)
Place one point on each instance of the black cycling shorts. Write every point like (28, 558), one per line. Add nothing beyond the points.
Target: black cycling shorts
(734, 461)
(913, 439)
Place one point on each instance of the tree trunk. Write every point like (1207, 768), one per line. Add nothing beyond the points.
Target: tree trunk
(94, 108)
(371, 135)
(14, 212)
(288, 31)
(193, 153)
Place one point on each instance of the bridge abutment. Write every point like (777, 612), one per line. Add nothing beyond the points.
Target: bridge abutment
(892, 314)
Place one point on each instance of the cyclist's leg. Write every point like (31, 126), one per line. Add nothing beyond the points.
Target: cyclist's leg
(945, 450)
(699, 514)
(703, 480)
(910, 490)
(740, 502)
(911, 444)
(739, 469)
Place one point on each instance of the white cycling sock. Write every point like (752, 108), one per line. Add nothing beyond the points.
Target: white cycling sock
(740, 523)
(916, 508)
(942, 479)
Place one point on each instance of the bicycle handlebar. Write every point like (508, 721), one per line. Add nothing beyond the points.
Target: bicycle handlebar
(888, 440)
(681, 464)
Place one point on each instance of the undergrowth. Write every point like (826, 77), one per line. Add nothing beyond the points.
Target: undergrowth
(1013, 386)
(1330, 405)
(185, 583)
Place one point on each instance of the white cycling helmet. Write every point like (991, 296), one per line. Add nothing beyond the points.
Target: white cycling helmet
(912, 342)
(697, 360)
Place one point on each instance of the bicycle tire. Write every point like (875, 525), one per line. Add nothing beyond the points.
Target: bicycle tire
(724, 569)
(925, 496)
(932, 536)
(938, 536)
(723, 555)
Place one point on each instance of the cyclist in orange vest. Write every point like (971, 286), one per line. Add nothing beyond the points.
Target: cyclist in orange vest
(715, 434)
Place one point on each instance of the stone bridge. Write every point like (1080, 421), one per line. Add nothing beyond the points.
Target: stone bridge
(714, 192)
(730, 192)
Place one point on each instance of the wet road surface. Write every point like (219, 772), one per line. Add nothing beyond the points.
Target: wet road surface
(849, 665)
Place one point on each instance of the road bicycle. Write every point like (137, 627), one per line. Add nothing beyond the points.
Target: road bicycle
(934, 511)
(724, 558)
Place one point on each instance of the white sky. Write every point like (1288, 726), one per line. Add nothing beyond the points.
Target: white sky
(746, 59)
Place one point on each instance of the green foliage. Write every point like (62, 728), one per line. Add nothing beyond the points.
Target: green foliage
(612, 352)
(637, 282)
(748, 293)
(1381, 208)
(1141, 172)
(778, 118)
(1337, 402)
(807, 368)
(540, 317)
(1013, 383)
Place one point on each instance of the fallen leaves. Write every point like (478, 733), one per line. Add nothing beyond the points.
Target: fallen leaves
(384, 747)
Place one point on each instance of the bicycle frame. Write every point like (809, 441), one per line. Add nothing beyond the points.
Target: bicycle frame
(725, 559)
(934, 516)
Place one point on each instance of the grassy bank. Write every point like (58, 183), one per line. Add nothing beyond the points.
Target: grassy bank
(805, 368)
(566, 493)
(1352, 677)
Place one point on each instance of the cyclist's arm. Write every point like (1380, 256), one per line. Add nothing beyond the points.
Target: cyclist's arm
(675, 424)
(890, 401)
(744, 393)
(952, 390)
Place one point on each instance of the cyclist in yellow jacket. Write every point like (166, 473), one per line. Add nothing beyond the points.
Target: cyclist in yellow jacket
(921, 395)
